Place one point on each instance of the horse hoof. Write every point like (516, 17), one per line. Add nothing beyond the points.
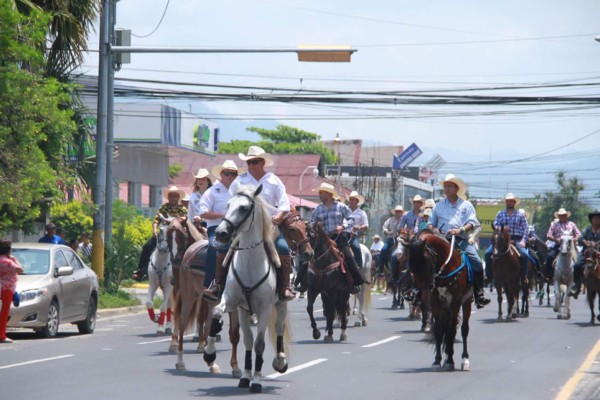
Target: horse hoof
(343, 337)
(364, 322)
(218, 338)
(280, 365)
(555, 309)
(172, 348)
(394, 306)
(559, 316)
(448, 367)
(236, 373)
(597, 317)
(465, 366)
(568, 316)
(402, 306)
(160, 332)
(214, 369)
(200, 350)
(180, 366)
(256, 388)
(354, 311)
(244, 383)
(328, 339)
(316, 334)
(436, 367)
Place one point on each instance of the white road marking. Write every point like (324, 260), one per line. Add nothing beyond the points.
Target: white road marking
(167, 339)
(298, 368)
(384, 298)
(390, 339)
(36, 361)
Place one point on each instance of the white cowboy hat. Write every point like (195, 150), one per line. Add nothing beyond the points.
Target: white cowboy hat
(376, 237)
(562, 211)
(354, 195)
(429, 203)
(417, 198)
(462, 186)
(227, 165)
(510, 196)
(202, 173)
(174, 189)
(257, 152)
(186, 197)
(397, 208)
(327, 187)
(427, 212)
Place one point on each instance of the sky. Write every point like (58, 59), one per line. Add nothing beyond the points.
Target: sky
(405, 50)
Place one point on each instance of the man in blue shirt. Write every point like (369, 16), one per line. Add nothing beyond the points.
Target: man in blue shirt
(455, 216)
(517, 224)
(51, 236)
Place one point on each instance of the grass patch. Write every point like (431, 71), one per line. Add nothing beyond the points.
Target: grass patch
(117, 300)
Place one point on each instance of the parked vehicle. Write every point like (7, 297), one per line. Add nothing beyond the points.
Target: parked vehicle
(56, 287)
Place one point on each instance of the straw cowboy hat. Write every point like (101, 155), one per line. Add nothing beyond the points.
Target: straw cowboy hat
(397, 208)
(228, 165)
(462, 186)
(202, 173)
(427, 212)
(327, 187)
(174, 189)
(186, 197)
(593, 214)
(510, 196)
(562, 211)
(376, 237)
(354, 195)
(429, 203)
(417, 198)
(257, 152)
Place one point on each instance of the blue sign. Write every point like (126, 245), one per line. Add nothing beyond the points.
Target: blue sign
(402, 160)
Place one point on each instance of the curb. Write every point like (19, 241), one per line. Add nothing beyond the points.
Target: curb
(113, 312)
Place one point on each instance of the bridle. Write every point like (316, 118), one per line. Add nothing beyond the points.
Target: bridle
(289, 220)
(235, 227)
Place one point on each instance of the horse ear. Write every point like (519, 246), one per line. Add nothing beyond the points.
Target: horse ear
(258, 190)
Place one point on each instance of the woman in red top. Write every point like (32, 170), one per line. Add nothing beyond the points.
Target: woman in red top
(9, 269)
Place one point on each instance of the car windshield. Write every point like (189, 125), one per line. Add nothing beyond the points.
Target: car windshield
(34, 261)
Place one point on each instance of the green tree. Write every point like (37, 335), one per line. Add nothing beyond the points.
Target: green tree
(74, 217)
(567, 197)
(35, 122)
(283, 140)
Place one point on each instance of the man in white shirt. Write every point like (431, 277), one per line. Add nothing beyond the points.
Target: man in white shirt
(361, 224)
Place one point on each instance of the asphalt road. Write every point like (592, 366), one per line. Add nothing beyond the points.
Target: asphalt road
(539, 357)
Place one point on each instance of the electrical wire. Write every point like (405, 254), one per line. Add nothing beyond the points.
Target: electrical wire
(157, 26)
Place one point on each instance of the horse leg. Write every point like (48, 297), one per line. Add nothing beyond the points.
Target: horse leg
(259, 349)
(202, 327)
(499, 296)
(557, 295)
(244, 319)
(234, 339)
(316, 333)
(149, 302)
(280, 362)
(464, 330)
(180, 365)
(548, 304)
(568, 298)
(329, 308)
(210, 352)
(342, 306)
(425, 317)
(439, 337)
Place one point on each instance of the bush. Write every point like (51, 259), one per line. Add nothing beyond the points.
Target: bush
(117, 299)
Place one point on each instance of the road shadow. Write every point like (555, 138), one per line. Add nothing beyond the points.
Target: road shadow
(233, 390)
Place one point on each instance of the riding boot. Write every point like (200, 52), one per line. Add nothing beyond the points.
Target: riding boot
(478, 294)
(300, 284)
(577, 278)
(283, 274)
(357, 276)
(140, 273)
(212, 295)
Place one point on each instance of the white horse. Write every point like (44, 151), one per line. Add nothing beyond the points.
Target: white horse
(160, 273)
(563, 275)
(251, 286)
(363, 298)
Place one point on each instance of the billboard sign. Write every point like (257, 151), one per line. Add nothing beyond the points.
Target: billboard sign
(486, 214)
(403, 159)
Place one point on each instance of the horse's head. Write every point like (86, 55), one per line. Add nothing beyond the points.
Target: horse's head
(566, 243)
(240, 214)
(500, 240)
(591, 257)
(162, 243)
(177, 240)
(293, 230)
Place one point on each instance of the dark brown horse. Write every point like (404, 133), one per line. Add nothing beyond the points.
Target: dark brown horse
(443, 275)
(591, 278)
(506, 266)
(326, 277)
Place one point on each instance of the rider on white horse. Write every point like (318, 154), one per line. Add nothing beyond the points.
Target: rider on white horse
(590, 237)
(554, 235)
(172, 208)
(274, 194)
(333, 213)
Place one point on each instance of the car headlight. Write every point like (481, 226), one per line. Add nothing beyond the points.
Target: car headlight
(29, 295)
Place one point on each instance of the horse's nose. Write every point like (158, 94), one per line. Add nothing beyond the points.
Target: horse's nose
(222, 235)
(307, 256)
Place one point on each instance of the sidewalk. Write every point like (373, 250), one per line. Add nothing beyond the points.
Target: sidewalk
(140, 290)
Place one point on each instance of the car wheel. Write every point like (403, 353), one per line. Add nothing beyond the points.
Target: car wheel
(89, 323)
(51, 328)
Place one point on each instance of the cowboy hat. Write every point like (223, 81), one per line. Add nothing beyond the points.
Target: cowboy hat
(397, 208)
(202, 173)
(174, 189)
(417, 198)
(462, 186)
(186, 197)
(327, 187)
(429, 203)
(562, 211)
(257, 152)
(510, 196)
(354, 195)
(525, 213)
(376, 237)
(227, 165)
(592, 214)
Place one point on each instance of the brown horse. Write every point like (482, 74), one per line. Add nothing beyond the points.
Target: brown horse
(591, 277)
(293, 230)
(444, 276)
(506, 268)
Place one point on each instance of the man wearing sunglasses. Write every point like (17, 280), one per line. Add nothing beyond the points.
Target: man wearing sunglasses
(274, 194)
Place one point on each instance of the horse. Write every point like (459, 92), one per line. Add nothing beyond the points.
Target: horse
(537, 246)
(251, 286)
(563, 275)
(445, 277)
(188, 246)
(326, 277)
(591, 277)
(160, 273)
(363, 298)
(506, 266)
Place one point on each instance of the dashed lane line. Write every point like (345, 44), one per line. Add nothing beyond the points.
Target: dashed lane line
(298, 368)
(36, 361)
(390, 339)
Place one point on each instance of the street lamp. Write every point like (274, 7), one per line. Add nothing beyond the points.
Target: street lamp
(315, 173)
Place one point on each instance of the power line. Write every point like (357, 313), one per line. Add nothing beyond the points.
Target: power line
(157, 26)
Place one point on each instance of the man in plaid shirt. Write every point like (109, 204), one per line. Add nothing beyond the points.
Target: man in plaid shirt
(557, 229)
(518, 229)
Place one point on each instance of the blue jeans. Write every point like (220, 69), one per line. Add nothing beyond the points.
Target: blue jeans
(384, 255)
(281, 246)
(355, 246)
(214, 247)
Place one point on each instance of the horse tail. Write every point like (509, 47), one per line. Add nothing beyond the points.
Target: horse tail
(287, 332)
